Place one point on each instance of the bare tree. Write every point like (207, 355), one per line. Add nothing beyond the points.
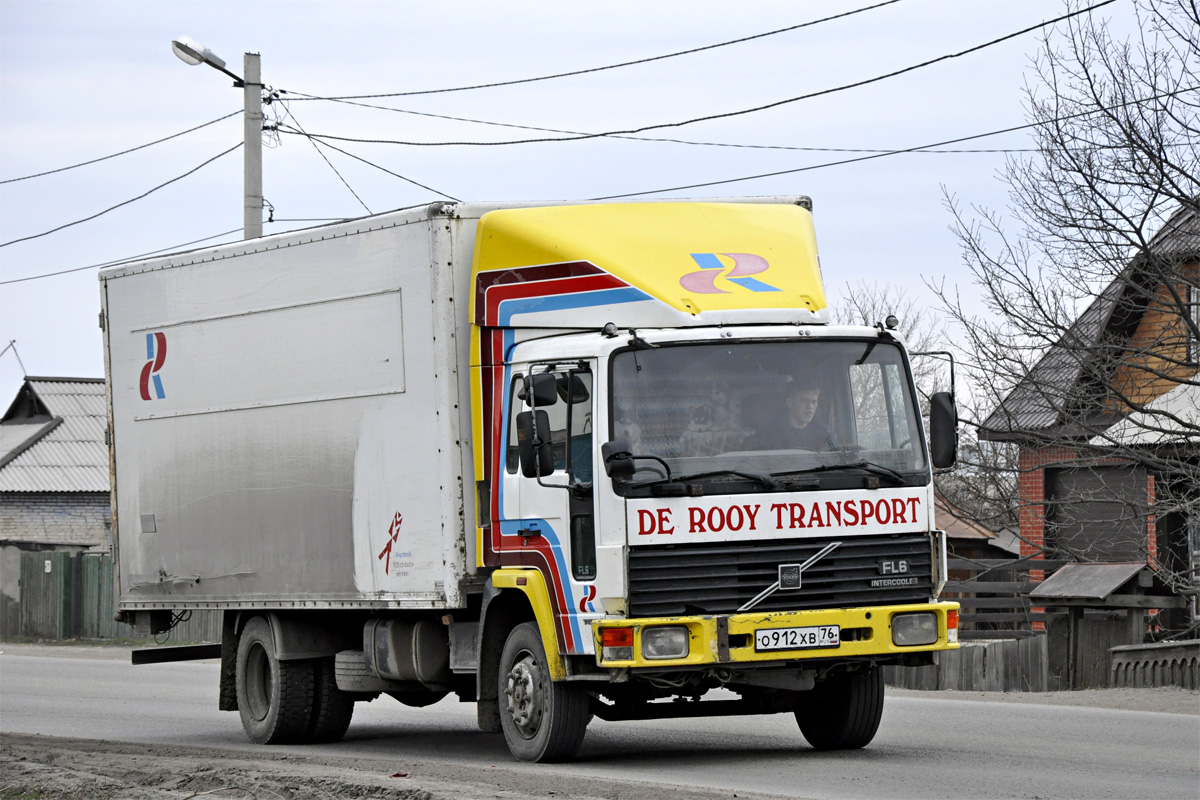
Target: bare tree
(1086, 360)
(982, 484)
(865, 303)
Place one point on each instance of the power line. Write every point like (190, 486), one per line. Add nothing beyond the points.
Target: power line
(120, 260)
(729, 114)
(125, 203)
(173, 247)
(905, 150)
(316, 147)
(648, 138)
(302, 96)
(123, 152)
(388, 171)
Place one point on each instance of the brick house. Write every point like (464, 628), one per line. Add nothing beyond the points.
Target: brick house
(54, 478)
(1107, 423)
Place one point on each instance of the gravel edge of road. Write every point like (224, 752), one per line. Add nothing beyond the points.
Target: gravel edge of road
(1166, 700)
(84, 769)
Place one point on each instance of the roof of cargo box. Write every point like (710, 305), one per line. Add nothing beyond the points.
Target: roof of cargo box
(660, 264)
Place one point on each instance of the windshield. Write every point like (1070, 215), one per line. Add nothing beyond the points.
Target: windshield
(777, 409)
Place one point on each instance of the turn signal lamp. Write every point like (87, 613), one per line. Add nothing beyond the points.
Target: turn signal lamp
(616, 644)
(952, 626)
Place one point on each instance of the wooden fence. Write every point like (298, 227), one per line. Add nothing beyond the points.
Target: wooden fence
(71, 596)
(1003, 665)
(993, 594)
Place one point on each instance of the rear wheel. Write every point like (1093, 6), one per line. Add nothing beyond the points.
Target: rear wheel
(843, 711)
(275, 698)
(332, 708)
(542, 720)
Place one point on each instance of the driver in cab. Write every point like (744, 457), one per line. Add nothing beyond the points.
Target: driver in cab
(800, 429)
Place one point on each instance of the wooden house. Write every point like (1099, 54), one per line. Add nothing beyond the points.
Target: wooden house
(1107, 423)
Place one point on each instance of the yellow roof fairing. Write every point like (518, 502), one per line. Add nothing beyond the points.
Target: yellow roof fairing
(693, 258)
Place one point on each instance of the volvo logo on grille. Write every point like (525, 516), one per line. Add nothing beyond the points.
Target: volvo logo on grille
(789, 576)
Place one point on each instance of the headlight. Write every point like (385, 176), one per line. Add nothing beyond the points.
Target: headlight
(664, 642)
(909, 630)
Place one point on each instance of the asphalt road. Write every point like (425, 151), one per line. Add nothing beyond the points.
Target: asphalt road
(927, 747)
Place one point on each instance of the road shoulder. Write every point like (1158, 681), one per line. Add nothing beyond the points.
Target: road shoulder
(1167, 700)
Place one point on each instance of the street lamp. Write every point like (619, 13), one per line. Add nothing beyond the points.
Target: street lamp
(192, 53)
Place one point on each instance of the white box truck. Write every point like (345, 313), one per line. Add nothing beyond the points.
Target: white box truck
(562, 461)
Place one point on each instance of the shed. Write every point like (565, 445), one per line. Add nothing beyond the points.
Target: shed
(1106, 606)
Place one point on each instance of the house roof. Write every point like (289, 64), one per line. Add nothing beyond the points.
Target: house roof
(960, 528)
(52, 437)
(956, 524)
(1038, 404)
(1160, 421)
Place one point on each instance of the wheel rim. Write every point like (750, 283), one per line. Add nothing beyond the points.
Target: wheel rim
(258, 682)
(524, 698)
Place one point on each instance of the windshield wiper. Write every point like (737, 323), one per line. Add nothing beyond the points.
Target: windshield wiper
(762, 480)
(868, 466)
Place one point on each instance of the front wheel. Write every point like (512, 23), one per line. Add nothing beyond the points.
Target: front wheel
(843, 711)
(542, 720)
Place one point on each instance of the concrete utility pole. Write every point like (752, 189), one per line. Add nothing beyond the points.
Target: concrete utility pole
(253, 125)
(192, 52)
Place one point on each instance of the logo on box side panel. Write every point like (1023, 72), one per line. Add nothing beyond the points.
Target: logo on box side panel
(156, 356)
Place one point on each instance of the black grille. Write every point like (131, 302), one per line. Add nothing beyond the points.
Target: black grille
(721, 578)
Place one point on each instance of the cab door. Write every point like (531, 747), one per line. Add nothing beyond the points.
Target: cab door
(552, 525)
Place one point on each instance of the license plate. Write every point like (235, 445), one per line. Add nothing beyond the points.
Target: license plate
(810, 638)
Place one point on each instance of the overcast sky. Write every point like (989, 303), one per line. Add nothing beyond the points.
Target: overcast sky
(83, 80)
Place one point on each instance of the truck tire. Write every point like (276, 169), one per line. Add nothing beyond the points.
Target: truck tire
(542, 720)
(843, 711)
(275, 698)
(331, 708)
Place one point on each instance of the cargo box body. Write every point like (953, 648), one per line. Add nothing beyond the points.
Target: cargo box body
(280, 405)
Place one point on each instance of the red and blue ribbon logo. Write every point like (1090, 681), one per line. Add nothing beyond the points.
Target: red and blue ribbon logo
(156, 356)
(711, 267)
(585, 601)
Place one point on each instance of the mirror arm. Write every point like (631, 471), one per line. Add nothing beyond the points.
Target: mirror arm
(537, 461)
(665, 465)
(949, 357)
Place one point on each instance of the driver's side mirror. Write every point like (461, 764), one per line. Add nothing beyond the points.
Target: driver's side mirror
(536, 453)
(943, 430)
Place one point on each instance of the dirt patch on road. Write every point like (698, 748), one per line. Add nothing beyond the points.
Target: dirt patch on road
(77, 769)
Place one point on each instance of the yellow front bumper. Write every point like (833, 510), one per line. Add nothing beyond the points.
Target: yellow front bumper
(730, 639)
